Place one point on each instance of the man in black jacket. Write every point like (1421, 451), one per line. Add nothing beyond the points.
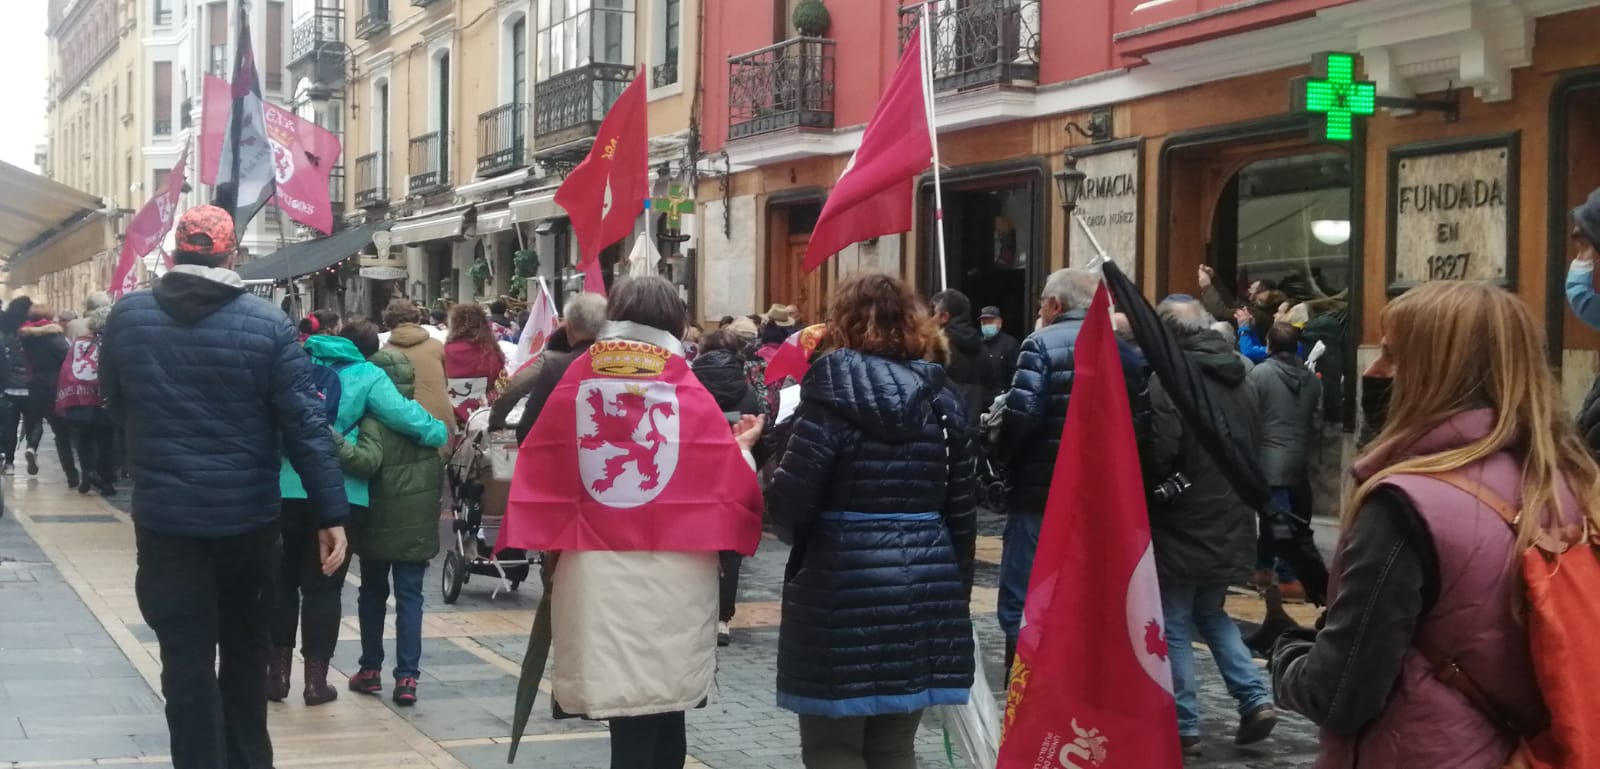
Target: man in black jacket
(1203, 534)
(1000, 349)
(968, 370)
(211, 385)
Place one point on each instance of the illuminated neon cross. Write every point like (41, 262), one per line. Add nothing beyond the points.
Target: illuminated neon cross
(1338, 96)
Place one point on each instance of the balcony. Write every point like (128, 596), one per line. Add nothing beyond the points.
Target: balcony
(336, 191)
(788, 85)
(186, 113)
(372, 181)
(316, 48)
(572, 104)
(430, 166)
(375, 23)
(980, 44)
(666, 73)
(502, 139)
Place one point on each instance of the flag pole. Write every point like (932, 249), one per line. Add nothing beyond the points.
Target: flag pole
(933, 139)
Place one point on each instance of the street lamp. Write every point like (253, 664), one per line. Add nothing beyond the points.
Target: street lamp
(1069, 183)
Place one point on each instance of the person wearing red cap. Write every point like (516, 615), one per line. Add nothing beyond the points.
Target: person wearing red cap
(209, 383)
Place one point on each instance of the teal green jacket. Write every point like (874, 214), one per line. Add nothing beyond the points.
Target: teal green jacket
(402, 522)
(365, 391)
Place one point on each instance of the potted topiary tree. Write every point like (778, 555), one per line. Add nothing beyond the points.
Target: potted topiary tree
(811, 18)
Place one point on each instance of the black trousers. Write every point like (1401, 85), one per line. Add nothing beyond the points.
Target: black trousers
(649, 742)
(871, 742)
(728, 583)
(38, 411)
(94, 438)
(10, 422)
(199, 596)
(306, 597)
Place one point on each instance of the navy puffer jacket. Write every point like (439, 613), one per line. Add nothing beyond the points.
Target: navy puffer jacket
(1036, 410)
(210, 384)
(875, 491)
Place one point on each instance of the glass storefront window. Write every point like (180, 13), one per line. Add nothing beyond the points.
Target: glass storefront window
(1292, 224)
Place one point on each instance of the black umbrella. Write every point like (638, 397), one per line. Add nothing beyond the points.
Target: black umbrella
(1219, 431)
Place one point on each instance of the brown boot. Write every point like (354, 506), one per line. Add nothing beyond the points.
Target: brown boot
(318, 692)
(278, 674)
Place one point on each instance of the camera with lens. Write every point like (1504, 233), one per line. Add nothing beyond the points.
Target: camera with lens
(1171, 488)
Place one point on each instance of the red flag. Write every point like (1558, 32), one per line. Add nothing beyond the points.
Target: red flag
(605, 193)
(1091, 685)
(303, 154)
(618, 460)
(793, 358)
(149, 227)
(873, 196)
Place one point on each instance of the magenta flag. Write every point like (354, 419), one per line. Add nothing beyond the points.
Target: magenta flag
(149, 227)
(303, 155)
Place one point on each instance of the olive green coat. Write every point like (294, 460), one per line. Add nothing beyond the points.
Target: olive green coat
(402, 520)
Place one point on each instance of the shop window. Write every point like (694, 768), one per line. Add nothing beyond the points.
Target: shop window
(1287, 220)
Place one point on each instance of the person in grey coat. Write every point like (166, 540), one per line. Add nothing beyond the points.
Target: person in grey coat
(1288, 395)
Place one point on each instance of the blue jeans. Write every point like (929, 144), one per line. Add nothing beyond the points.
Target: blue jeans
(1188, 607)
(371, 609)
(1016, 567)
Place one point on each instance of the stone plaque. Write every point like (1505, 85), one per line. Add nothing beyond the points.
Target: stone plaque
(1452, 213)
(1108, 207)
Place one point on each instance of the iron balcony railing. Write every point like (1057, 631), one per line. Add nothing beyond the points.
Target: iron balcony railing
(430, 167)
(375, 22)
(979, 44)
(788, 85)
(572, 104)
(316, 35)
(372, 180)
(665, 73)
(502, 139)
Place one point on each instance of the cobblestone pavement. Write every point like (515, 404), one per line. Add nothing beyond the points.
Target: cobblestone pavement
(79, 673)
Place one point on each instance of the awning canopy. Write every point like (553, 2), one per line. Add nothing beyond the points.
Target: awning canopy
(448, 225)
(292, 261)
(536, 206)
(36, 213)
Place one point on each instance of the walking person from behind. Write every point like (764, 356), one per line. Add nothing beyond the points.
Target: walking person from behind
(44, 344)
(426, 354)
(968, 367)
(210, 384)
(1429, 598)
(78, 400)
(1203, 534)
(876, 492)
(1288, 399)
(397, 534)
(15, 376)
(350, 389)
(473, 362)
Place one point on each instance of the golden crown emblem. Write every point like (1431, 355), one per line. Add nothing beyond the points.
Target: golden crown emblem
(615, 357)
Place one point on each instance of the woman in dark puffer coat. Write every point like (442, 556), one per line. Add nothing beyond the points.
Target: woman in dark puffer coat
(875, 491)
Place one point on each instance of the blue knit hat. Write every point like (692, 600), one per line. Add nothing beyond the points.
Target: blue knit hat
(1587, 217)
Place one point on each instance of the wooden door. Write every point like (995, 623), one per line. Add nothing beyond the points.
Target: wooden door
(810, 290)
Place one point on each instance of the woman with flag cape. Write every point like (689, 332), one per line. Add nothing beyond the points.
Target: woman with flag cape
(610, 482)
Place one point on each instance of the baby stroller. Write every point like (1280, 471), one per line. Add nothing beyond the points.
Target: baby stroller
(993, 487)
(479, 472)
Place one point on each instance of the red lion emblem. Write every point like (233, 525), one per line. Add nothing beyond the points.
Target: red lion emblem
(1155, 642)
(631, 412)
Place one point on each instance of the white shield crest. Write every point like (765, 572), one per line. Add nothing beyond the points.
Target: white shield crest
(627, 439)
(1147, 628)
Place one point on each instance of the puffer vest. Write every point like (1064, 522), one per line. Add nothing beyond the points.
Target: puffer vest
(1429, 723)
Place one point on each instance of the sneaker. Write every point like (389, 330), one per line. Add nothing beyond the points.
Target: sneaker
(32, 458)
(405, 691)
(1256, 725)
(724, 636)
(367, 682)
(1191, 745)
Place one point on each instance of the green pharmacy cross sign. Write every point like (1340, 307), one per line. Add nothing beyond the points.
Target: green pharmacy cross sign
(1338, 96)
(1335, 98)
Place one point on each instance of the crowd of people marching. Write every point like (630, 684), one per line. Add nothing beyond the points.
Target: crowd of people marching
(264, 454)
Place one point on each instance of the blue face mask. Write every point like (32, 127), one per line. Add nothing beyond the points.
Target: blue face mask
(990, 332)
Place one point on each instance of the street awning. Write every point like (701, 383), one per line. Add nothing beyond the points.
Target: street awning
(494, 221)
(536, 206)
(304, 258)
(449, 225)
(38, 215)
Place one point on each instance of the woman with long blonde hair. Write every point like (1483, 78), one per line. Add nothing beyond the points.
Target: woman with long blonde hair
(1425, 578)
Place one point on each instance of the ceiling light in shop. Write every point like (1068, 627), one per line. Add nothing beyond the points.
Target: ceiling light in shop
(1332, 232)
